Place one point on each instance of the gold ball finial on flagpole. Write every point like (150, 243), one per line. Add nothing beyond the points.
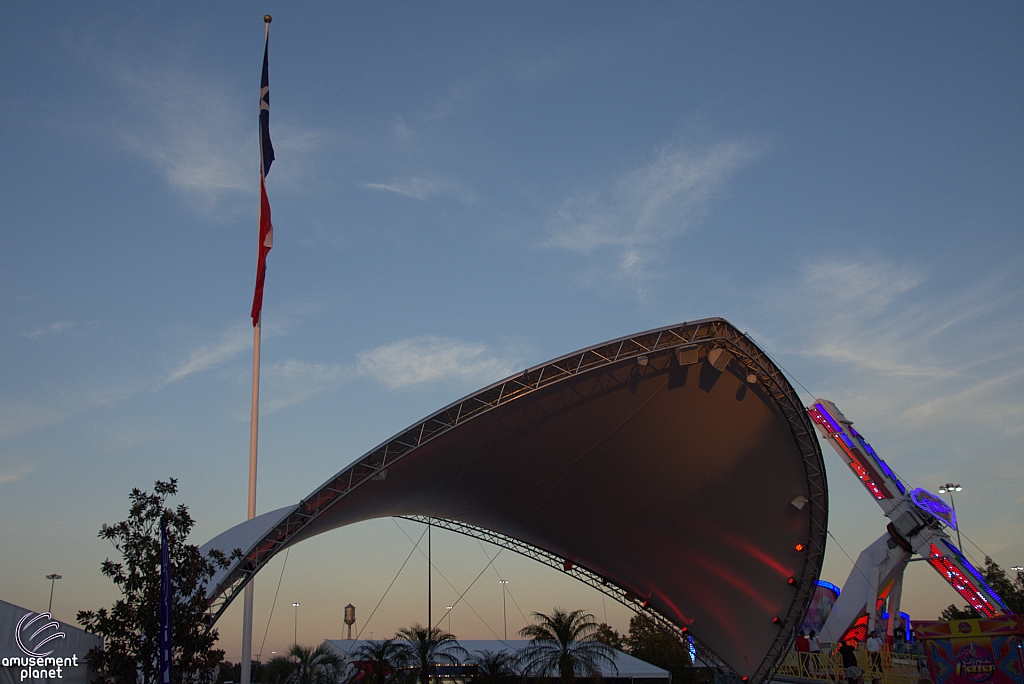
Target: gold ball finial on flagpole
(266, 18)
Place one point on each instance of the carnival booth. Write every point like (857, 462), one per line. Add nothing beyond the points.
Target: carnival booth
(974, 651)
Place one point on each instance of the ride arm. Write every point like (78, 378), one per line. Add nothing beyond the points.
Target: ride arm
(917, 516)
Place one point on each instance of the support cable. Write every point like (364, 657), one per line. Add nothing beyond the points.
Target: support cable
(456, 602)
(449, 584)
(852, 562)
(367, 621)
(259, 656)
(789, 375)
(516, 603)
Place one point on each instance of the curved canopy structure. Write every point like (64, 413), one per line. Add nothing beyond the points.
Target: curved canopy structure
(675, 468)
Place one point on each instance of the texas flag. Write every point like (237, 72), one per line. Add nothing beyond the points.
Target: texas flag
(266, 159)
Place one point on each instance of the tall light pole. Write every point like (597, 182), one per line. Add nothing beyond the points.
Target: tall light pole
(449, 609)
(430, 599)
(295, 639)
(53, 579)
(949, 488)
(504, 619)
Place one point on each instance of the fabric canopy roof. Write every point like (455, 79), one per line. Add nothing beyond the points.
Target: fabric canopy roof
(677, 465)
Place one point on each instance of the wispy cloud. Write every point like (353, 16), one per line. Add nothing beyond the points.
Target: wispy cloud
(901, 352)
(422, 188)
(647, 206)
(51, 329)
(229, 343)
(17, 418)
(284, 383)
(402, 130)
(292, 382)
(425, 359)
(396, 365)
(453, 98)
(190, 129)
(15, 473)
(198, 132)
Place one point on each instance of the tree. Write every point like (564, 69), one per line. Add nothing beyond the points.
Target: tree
(380, 659)
(277, 671)
(607, 635)
(494, 667)
(647, 641)
(130, 628)
(318, 665)
(1011, 590)
(232, 672)
(423, 647)
(565, 642)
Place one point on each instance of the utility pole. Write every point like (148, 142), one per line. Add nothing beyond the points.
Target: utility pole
(949, 488)
(53, 578)
(430, 602)
(504, 618)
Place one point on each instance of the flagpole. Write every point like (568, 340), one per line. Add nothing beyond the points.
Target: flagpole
(254, 420)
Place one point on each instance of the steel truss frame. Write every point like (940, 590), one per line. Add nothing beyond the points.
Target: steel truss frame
(654, 345)
(581, 573)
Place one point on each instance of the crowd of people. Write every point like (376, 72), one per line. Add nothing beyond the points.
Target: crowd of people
(873, 644)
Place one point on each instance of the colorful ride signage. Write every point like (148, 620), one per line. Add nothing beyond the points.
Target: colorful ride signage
(987, 650)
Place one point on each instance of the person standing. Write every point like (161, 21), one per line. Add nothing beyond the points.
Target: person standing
(874, 645)
(801, 645)
(814, 648)
(848, 651)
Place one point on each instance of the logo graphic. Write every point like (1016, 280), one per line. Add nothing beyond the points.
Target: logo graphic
(42, 635)
(964, 627)
(974, 664)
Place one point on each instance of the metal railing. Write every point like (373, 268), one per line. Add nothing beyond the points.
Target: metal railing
(885, 666)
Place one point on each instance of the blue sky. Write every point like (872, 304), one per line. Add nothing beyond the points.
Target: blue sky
(463, 190)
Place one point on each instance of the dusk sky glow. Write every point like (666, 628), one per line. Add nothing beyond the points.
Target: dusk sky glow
(463, 190)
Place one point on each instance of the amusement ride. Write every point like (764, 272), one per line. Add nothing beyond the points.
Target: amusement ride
(918, 524)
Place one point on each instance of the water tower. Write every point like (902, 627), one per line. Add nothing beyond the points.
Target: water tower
(350, 618)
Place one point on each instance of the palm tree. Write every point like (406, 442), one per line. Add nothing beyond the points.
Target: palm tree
(318, 665)
(382, 656)
(421, 647)
(494, 667)
(277, 670)
(565, 642)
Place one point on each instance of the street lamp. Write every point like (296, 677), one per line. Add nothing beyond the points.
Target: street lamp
(504, 619)
(295, 639)
(449, 609)
(53, 579)
(949, 488)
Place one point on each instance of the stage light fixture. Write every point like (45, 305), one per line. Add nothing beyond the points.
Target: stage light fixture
(719, 358)
(687, 357)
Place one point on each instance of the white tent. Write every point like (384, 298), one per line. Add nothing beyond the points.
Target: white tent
(34, 648)
(628, 668)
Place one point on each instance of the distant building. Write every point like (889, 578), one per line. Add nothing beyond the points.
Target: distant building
(630, 670)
